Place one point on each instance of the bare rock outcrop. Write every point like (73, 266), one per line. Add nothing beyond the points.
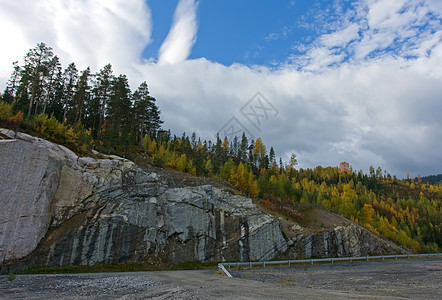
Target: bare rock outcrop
(61, 209)
(85, 210)
(43, 183)
(340, 241)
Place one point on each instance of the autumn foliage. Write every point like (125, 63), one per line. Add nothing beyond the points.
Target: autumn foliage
(406, 212)
(100, 111)
(17, 119)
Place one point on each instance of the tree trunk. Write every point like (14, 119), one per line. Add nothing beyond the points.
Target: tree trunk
(142, 132)
(103, 108)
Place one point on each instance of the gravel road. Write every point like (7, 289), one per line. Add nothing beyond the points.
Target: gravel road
(412, 279)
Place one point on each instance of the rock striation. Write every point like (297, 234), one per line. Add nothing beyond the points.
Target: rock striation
(42, 184)
(340, 241)
(61, 209)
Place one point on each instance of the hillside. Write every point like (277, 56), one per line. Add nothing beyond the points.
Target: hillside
(60, 209)
(88, 112)
(403, 211)
(431, 179)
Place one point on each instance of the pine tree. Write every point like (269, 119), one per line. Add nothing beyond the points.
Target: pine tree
(34, 72)
(11, 88)
(219, 154)
(242, 151)
(104, 78)
(272, 155)
(55, 102)
(154, 120)
(143, 104)
(70, 77)
(118, 113)
(54, 68)
(81, 96)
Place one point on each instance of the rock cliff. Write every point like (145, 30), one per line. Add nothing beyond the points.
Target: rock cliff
(60, 209)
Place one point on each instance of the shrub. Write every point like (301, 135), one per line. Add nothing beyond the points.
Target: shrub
(17, 119)
(11, 276)
(76, 138)
(5, 110)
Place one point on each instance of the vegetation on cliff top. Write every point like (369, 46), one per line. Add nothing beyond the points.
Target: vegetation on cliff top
(99, 111)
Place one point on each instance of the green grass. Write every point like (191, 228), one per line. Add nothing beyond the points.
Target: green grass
(11, 276)
(120, 267)
(195, 265)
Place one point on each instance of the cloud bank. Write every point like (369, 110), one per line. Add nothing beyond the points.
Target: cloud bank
(366, 91)
(89, 33)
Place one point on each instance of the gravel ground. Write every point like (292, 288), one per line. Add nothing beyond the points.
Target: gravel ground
(413, 279)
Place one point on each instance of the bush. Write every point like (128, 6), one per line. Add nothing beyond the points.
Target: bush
(5, 111)
(158, 162)
(17, 119)
(11, 276)
(50, 128)
(76, 138)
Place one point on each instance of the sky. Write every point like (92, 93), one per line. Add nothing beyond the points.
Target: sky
(328, 80)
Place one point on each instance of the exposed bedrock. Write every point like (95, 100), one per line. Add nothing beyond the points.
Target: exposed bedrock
(60, 209)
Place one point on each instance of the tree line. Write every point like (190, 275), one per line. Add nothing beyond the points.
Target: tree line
(404, 211)
(101, 102)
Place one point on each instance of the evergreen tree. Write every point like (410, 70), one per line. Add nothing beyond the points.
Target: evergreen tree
(81, 96)
(146, 113)
(54, 68)
(220, 156)
(55, 104)
(70, 77)
(118, 113)
(272, 155)
(34, 73)
(243, 147)
(9, 94)
(101, 92)
(142, 106)
(193, 141)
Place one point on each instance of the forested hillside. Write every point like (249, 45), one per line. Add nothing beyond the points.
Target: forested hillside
(84, 110)
(430, 179)
(78, 107)
(404, 211)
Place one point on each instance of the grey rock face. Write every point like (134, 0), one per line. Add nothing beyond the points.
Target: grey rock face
(59, 209)
(176, 224)
(341, 241)
(108, 210)
(28, 181)
(42, 184)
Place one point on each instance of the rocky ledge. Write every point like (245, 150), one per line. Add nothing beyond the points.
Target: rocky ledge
(61, 209)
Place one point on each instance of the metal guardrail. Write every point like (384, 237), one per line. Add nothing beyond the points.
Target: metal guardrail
(224, 270)
(222, 266)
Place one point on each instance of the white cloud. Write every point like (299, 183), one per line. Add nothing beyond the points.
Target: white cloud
(113, 31)
(377, 113)
(435, 5)
(340, 102)
(89, 33)
(375, 28)
(383, 12)
(341, 38)
(281, 35)
(182, 35)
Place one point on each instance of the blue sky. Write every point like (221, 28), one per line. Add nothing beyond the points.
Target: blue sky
(246, 31)
(249, 32)
(337, 80)
(268, 32)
